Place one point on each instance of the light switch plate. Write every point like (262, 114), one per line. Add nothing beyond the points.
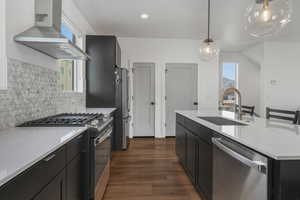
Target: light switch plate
(273, 82)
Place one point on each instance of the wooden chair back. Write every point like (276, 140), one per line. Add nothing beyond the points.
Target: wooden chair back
(247, 109)
(288, 115)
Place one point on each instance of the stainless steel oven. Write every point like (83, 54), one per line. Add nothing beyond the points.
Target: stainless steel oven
(100, 155)
(238, 172)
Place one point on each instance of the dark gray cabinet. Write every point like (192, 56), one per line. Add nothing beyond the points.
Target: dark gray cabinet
(104, 81)
(56, 190)
(194, 150)
(204, 168)
(74, 169)
(105, 54)
(74, 179)
(181, 144)
(191, 144)
(56, 177)
(30, 182)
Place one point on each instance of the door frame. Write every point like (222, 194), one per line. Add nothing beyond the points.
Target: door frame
(164, 100)
(132, 68)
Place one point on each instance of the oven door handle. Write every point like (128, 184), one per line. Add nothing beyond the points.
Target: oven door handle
(102, 138)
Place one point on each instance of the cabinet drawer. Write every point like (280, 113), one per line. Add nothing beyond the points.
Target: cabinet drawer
(30, 182)
(180, 119)
(201, 131)
(74, 147)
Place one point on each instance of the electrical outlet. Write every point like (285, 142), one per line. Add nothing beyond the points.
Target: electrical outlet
(273, 82)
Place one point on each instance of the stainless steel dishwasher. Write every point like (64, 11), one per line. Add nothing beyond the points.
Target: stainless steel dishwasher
(238, 172)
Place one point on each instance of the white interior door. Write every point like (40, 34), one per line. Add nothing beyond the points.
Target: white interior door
(144, 99)
(181, 91)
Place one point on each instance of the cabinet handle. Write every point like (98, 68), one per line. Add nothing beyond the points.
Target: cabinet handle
(79, 137)
(49, 158)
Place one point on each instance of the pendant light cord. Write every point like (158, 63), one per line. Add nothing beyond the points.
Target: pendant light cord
(208, 28)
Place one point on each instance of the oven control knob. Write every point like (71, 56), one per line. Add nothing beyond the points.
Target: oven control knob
(95, 122)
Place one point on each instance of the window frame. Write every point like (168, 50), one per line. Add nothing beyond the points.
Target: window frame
(78, 65)
(3, 56)
(236, 84)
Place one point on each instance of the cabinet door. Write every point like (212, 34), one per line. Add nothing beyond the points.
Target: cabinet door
(181, 144)
(55, 190)
(204, 168)
(191, 155)
(74, 179)
(76, 146)
(33, 180)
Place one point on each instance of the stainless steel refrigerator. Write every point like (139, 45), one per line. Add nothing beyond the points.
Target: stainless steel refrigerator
(122, 102)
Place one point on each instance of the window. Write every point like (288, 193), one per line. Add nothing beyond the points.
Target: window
(229, 80)
(3, 59)
(71, 72)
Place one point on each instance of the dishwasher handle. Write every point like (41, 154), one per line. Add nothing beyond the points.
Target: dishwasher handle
(258, 165)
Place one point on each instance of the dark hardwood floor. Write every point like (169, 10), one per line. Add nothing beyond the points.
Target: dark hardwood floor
(149, 170)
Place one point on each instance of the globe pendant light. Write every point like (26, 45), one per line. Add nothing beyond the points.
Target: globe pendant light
(267, 17)
(208, 49)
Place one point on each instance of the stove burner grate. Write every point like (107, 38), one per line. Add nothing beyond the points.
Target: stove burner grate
(66, 119)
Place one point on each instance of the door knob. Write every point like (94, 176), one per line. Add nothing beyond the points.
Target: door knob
(152, 103)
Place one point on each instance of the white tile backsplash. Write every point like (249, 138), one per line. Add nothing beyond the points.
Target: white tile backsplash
(33, 92)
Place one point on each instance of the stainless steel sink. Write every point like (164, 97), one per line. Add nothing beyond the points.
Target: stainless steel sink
(220, 121)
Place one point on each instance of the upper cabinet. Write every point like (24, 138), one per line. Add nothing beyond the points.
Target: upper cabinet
(100, 71)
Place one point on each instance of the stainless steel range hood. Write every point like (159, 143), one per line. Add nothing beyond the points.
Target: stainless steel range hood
(45, 36)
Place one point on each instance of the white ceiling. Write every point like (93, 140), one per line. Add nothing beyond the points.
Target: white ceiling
(177, 19)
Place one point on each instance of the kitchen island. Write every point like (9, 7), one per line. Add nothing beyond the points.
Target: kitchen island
(277, 141)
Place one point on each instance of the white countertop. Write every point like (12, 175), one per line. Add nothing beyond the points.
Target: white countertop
(104, 111)
(21, 148)
(276, 139)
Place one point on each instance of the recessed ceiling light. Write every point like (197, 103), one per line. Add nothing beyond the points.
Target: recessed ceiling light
(144, 16)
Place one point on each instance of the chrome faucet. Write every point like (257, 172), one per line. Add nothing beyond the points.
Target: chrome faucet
(234, 90)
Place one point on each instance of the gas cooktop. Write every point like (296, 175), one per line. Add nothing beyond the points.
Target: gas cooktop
(66, 119)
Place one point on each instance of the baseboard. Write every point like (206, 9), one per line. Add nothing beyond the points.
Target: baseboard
(137, 137)
(171, 137)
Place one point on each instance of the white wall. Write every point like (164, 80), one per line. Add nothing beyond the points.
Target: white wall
(162, 51)
(20, 16)
(248, 78)
(281, 75)
(255, 53)
(3, 60)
